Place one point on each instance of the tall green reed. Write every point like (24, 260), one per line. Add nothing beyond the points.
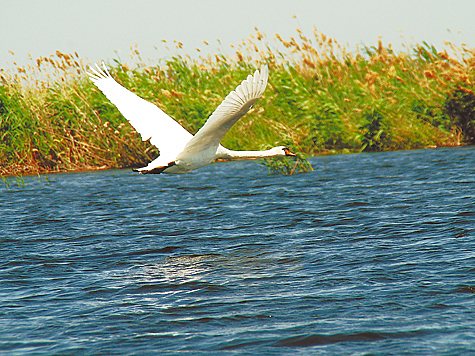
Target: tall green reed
(321, 98)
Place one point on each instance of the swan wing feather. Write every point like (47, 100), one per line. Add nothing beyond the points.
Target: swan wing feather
(234, 106)
(147, 119)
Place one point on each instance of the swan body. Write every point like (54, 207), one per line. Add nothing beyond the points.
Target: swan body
(180, 151)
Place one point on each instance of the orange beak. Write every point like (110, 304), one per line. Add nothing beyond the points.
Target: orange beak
(288, 153)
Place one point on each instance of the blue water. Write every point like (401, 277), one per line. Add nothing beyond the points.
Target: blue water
(367, 254)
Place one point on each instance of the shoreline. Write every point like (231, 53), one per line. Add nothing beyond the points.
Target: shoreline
(105, 167)
(317, 102)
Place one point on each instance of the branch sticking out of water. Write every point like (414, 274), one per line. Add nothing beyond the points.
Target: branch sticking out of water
(288, 165)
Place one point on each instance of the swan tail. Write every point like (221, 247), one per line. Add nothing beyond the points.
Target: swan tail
(155, 170)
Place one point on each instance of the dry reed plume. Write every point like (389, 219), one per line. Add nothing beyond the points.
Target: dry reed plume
(322, 98)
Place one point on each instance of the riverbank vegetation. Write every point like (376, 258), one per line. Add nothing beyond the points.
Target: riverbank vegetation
(321, 98)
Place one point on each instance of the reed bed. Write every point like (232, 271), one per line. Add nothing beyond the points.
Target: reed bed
(321, 98)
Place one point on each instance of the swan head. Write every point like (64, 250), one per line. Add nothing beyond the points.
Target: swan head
(282, 151)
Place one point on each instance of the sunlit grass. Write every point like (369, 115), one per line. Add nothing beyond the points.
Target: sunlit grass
(322, 98)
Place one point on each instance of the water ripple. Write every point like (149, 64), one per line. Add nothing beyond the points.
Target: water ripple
(368, 254)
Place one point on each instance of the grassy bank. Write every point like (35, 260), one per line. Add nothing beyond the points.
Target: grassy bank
(321, 98)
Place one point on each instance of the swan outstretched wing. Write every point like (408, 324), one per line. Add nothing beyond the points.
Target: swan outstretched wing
(149, 120)
(234, 106)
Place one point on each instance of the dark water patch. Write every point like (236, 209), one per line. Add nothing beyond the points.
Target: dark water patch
(465, 289)
(440, 306)
(196, 188)
(321, 339)
(240, 317)
(94, 291)
(242, 195)
(463, 182)
(262, 185)
(461, 233)
(240, 344)
(191, 285)
(167, 249)
(301, 195)
(466, 213)
(356, 204)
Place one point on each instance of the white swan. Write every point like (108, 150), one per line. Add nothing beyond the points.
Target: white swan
(180, 151)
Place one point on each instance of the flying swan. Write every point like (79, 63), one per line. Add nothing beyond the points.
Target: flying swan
(180, 151)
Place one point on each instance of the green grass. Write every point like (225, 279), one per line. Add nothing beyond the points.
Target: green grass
(321, 98)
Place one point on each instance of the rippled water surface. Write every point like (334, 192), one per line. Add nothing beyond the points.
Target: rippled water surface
(368, 254)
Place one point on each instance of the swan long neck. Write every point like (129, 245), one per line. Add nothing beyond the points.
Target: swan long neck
(224, 153)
